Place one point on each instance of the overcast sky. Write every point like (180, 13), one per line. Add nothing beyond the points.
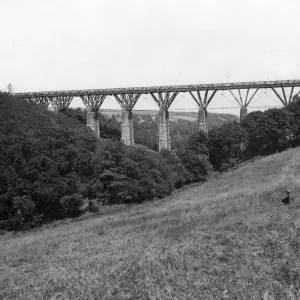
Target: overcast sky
(89, 44)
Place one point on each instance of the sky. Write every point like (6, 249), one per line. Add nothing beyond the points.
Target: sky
(90, 44)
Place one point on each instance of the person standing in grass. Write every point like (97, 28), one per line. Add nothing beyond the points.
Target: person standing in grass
(288, 199)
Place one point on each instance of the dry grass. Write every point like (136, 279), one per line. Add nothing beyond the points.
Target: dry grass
(226, 239)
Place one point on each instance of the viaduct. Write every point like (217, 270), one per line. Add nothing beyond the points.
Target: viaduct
(164, 96)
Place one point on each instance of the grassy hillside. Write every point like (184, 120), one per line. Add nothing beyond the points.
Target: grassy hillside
(229, 238)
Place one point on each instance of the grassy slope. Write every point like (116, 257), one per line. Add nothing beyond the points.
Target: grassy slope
(227, 239)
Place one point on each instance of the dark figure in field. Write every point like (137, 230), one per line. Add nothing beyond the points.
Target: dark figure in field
(288, 199)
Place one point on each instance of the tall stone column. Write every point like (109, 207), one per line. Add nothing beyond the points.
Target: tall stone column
(202, 120)
(127, 128)
(127, 103)
(93, 122)
(164, 101)
(163, 130)
(93, 104)
(243, 113)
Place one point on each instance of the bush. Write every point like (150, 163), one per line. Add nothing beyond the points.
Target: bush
(130, 174)
(225, 145)
(197, 165)
(178, 172)
(24, 207)
(268, 132)
(72, 204)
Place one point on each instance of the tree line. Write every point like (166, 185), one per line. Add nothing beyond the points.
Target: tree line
(52, 166)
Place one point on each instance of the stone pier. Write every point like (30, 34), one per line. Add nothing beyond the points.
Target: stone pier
(163, 130)
(93, 123)
(127, 128)
(243, 113)
(202, 120)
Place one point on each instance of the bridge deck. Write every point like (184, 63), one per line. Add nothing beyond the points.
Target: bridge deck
(173, 88)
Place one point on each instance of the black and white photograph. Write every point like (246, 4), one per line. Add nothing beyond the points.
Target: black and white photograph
(149, 150)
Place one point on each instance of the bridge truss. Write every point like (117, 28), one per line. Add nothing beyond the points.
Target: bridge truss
(163, 96)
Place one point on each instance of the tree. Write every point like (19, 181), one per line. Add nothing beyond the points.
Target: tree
(197, 165)
(224, 145)
(268, 131)
(197, 143)
(294, 107)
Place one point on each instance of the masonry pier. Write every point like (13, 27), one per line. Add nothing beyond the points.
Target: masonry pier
(243, 113)
(93, 103)
(164, 101)
(202, 120)
(93, 122)
(127, 128)
(127, 103)
(163, 130)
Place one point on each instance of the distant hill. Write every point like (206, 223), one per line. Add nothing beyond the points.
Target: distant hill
(214, 119)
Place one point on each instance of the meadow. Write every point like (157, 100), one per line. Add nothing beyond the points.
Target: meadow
(229, 238)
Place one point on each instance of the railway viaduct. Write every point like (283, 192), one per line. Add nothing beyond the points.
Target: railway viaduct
(164, 96)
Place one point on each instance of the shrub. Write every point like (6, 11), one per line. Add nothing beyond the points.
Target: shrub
(197, 165)
(72, 204)
(225, 144)
(178, 171)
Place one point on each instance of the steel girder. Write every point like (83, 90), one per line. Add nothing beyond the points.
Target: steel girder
(127, 101)
(42, 101)
(93, 102)
(174, 88)
(164, 101)
(246, 101)
(61, 101)
(284, 100)
(203, 103)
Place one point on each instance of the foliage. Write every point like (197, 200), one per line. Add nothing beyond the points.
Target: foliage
(268, 131)
(224, 145)
(227, 239)
(294, 108)
(178, 172)
(198, 142)
(197, 165)
(194, 157)
(72, 204)
(129, 174)
(51, 164)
